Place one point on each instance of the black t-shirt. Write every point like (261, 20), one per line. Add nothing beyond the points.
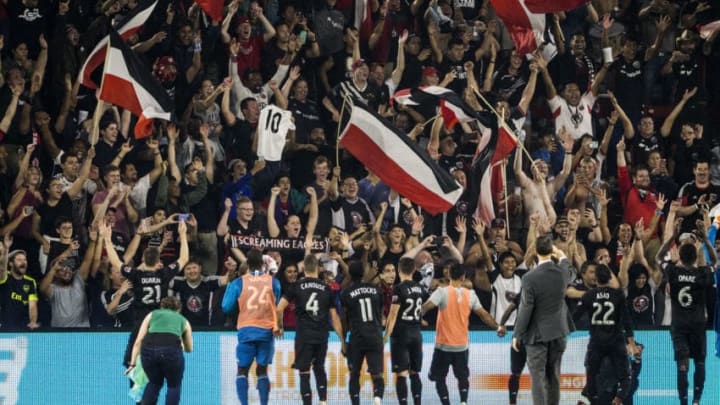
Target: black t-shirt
(313, 300)
(307, 117)
(687, 294)
(14, 301)
(149, 287)
(48, 214)
(609, 317)
(642, 147)
(124, 316)
(371, 96)
(629, 82)
(410, 295)
(580, 318)
(196, 301)
(510, 87)
(363, 304)
(641, 305)
(690, 194)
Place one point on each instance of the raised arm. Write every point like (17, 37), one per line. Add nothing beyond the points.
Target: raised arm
(273, 228)
(184, 249)
(670, 120)
(106, 234)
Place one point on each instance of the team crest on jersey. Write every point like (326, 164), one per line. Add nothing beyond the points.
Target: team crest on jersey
(641, 303)
(408, 217)
(194, 304)
(356, 219)
(26, 288)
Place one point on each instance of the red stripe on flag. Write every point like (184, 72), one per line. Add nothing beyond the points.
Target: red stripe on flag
(213, 8)
(519, 23)
(119, 91)
(506, 142)
(448, 115)
(376, 160)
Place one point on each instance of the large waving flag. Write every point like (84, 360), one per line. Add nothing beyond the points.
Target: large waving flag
(554, 6)
(496, 143)
(128, 83)
(127, 27)
(526, 28)
(398, 161)
(453, 108)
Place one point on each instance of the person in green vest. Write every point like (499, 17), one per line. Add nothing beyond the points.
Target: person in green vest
(163, 335)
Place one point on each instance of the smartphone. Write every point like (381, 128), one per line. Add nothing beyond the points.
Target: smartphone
(303, 37)
(183, 217)
(593, 145)
(28, 210)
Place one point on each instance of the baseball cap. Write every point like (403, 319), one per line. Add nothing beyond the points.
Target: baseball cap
(357, 64)
(429, 71)
(243, 20)
(684, 236)
(497, 223)
(233, 162)
(16, 252)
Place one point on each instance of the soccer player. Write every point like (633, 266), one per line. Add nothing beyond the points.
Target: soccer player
(688, 284)
(610, 329)
(518, 358)
(362, 305)
(255, 294)
(454, 305)
(150, 280)
(314, 307)
(406, 344)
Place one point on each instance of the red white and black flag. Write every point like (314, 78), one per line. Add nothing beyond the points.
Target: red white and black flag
(127, 27)
(128, 83)
(453, 108)
(496, 143)
(398, 161)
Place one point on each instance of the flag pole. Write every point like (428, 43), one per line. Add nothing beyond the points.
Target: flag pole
(502, 122)
(337, 133)
(100, 104)
(431, 119)
(507, 207)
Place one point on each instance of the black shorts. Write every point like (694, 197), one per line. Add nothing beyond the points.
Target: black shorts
(689, 342)
(372, 352)
(307, 354)
(406, 352)
(442, 361)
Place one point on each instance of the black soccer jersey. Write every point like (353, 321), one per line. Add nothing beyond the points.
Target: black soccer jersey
(609, 316)
(687, 292)
(410, 296)
(196, 301)
(363, 304)
(149, 287)
(313, 300)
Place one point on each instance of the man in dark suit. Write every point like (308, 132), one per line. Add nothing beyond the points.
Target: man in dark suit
(544, 321)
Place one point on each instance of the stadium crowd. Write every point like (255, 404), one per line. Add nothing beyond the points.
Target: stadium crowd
(624, 147)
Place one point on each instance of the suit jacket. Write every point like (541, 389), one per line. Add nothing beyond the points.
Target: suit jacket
(543, 315)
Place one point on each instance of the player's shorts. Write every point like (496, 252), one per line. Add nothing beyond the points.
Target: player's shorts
(442, 361)
(406, 352)
(689, 342)
(307, 354)
(372, 352)
(261, 351)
